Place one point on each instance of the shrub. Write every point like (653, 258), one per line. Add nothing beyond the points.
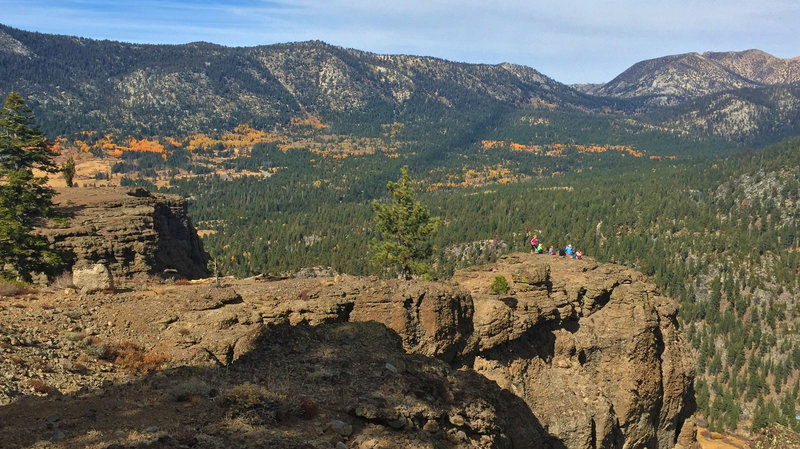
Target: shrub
(308, 408)
(499, 285)
(192, 388)
(9, 288)
(92, 346)
(39, 386)
(63, 280)
(127, 355)
(131, 357)
(256, 406)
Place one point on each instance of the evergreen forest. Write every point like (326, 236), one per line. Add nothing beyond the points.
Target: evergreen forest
(720, 234)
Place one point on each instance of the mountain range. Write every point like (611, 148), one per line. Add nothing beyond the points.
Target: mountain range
(671, 80)
(192, 87)
(75, 84)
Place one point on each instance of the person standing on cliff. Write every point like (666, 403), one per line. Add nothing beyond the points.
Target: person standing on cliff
(534, 243)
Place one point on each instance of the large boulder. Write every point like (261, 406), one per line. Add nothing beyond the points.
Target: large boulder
(93, 278)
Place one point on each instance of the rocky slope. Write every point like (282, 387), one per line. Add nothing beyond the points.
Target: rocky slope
(749, 96)
(673, 79)
(575, 355)
(131, 230)
(764, 114)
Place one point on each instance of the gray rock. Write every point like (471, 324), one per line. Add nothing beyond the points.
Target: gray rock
(93, 278)
(341, 427)
(398, 423)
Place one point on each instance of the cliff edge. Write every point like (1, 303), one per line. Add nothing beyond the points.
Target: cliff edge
(575, 355)
(130, 230)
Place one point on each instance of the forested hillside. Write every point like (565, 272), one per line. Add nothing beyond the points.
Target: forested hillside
(138, 91)
(78, 84)
(720, 234)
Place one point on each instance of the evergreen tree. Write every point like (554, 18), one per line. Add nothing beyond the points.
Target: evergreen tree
(69, 171)
(405, 228)
(25, 200)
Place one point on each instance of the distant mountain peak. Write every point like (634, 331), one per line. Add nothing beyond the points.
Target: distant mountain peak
(673, 79)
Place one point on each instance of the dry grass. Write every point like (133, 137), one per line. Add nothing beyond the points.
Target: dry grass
(254, 405)
(39, 386)
(131, 357)
(714, 440)
(63, 281)
(8, 288)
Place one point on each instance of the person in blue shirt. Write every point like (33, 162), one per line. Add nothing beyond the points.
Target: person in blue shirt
(568, 250)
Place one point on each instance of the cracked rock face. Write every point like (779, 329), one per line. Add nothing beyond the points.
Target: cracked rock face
(594, 350)
(131, 231)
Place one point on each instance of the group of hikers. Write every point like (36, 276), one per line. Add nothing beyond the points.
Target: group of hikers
(536, 247)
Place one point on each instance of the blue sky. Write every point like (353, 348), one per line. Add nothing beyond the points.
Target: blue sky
(569, 40)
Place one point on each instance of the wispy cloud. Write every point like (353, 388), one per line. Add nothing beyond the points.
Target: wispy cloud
(572, 40)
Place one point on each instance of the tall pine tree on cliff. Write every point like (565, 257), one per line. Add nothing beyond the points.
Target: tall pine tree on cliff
(405, 228)
(25, 199)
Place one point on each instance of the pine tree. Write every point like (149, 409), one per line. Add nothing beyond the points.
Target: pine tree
(25, 199)
(405, 228)
(68, 170)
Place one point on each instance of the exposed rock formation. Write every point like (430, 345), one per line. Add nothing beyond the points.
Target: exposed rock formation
(131, 231)
(576, 355)
(594, 350)
(432, 319)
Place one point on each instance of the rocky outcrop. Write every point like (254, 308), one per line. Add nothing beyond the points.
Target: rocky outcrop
(593, 350)
(432, 319)
(131, 231)
(576, 355)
